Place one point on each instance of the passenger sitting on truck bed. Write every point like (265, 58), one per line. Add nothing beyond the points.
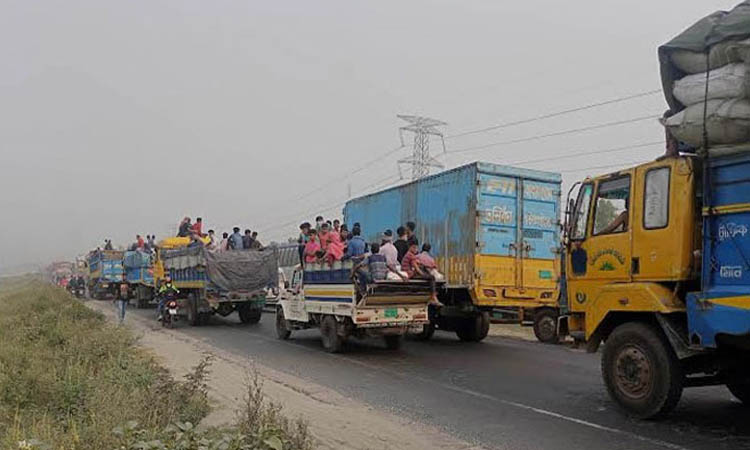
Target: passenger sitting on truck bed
(371, 268)
(356, 246)
(335, 248)
(312, 247)
(426, 269)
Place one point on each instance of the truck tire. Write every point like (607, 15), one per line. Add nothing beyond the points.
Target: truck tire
(329, 333)
(393, 342)
(248, 314)
(282, 327)
(641, 371)
(545, 326)
(474, 329)
(425, 334)
(741, 391)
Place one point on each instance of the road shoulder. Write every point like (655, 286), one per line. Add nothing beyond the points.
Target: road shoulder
(335, 420)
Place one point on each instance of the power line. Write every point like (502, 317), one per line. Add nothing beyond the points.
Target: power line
(558, 133)
(592, 152)
(328, 206)
(554, 114)
(607, 166)
(350, 173)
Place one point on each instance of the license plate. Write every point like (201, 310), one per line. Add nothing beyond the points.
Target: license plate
(172, 311)
(104, 285)
(391, 312)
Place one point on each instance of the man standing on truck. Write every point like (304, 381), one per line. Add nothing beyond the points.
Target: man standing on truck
(411, 237)
(356, 247)
(401, 245)
(247, 240)
(255, 244)
(235, 240)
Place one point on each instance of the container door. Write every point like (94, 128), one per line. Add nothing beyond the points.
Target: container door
(497, 229)
(539, 241)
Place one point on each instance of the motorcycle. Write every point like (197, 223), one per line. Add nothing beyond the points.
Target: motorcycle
(170, 315)
(79, 292)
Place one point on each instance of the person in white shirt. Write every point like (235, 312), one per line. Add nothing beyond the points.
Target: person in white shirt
(390, 252)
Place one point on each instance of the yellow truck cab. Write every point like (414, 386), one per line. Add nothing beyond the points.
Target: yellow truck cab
(631, 246)
(632, 239)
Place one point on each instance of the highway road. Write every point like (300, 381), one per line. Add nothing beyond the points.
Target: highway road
(501, 393)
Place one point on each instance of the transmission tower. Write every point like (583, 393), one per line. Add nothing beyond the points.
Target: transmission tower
(423, 128)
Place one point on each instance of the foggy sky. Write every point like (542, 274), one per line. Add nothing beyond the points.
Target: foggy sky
(119, 118)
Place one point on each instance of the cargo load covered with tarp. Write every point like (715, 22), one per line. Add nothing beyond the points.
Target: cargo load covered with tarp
(136, 259)
(706, 80)
(241, 270)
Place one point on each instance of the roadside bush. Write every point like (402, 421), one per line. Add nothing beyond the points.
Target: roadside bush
(70, 380)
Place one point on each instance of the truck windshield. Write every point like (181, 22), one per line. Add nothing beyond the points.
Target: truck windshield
(581, 215)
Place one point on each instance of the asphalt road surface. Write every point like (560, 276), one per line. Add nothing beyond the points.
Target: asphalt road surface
(501, 393)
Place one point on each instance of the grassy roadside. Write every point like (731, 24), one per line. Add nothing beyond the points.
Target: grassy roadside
(70, 380)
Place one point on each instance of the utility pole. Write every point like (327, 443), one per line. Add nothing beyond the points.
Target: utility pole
(422, 128)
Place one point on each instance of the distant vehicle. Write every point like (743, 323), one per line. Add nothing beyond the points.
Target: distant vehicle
(139, 274)
(325, 297)
(495, 234)
(218, 282)
(106, 273)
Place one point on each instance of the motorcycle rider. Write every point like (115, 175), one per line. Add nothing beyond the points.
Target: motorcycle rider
(166, 292)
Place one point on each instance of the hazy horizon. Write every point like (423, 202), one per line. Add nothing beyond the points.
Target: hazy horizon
(120, 118)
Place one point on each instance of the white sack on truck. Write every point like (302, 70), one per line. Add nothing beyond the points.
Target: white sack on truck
(727, 82)
(727, 123)
(720, 55)
(724, 36)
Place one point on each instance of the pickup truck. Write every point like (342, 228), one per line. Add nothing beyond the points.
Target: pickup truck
(325, 297)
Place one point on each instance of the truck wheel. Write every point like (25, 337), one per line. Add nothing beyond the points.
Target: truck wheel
(425, 334)
(248, 314)
(393, 342)
(741, 390)
(641, 371)
(282, 328)
(545, 326)
(329, 332)
(474, 329)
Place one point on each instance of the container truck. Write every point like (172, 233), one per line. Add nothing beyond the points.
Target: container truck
(494, 231)
(105, 272)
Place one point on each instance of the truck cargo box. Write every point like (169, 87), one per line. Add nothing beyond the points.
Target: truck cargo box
(493, 229)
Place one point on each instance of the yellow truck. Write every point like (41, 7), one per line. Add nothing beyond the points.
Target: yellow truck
(646, 272)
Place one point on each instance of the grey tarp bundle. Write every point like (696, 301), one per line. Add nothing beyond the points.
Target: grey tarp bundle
(231, 270)
(136, 259)
(717, 36)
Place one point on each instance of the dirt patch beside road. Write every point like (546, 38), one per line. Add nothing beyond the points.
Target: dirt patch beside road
(336, 421)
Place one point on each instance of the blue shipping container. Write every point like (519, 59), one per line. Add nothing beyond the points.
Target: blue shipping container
(476, 217)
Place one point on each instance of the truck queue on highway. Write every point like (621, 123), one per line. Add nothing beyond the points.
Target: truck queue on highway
(652, 261)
